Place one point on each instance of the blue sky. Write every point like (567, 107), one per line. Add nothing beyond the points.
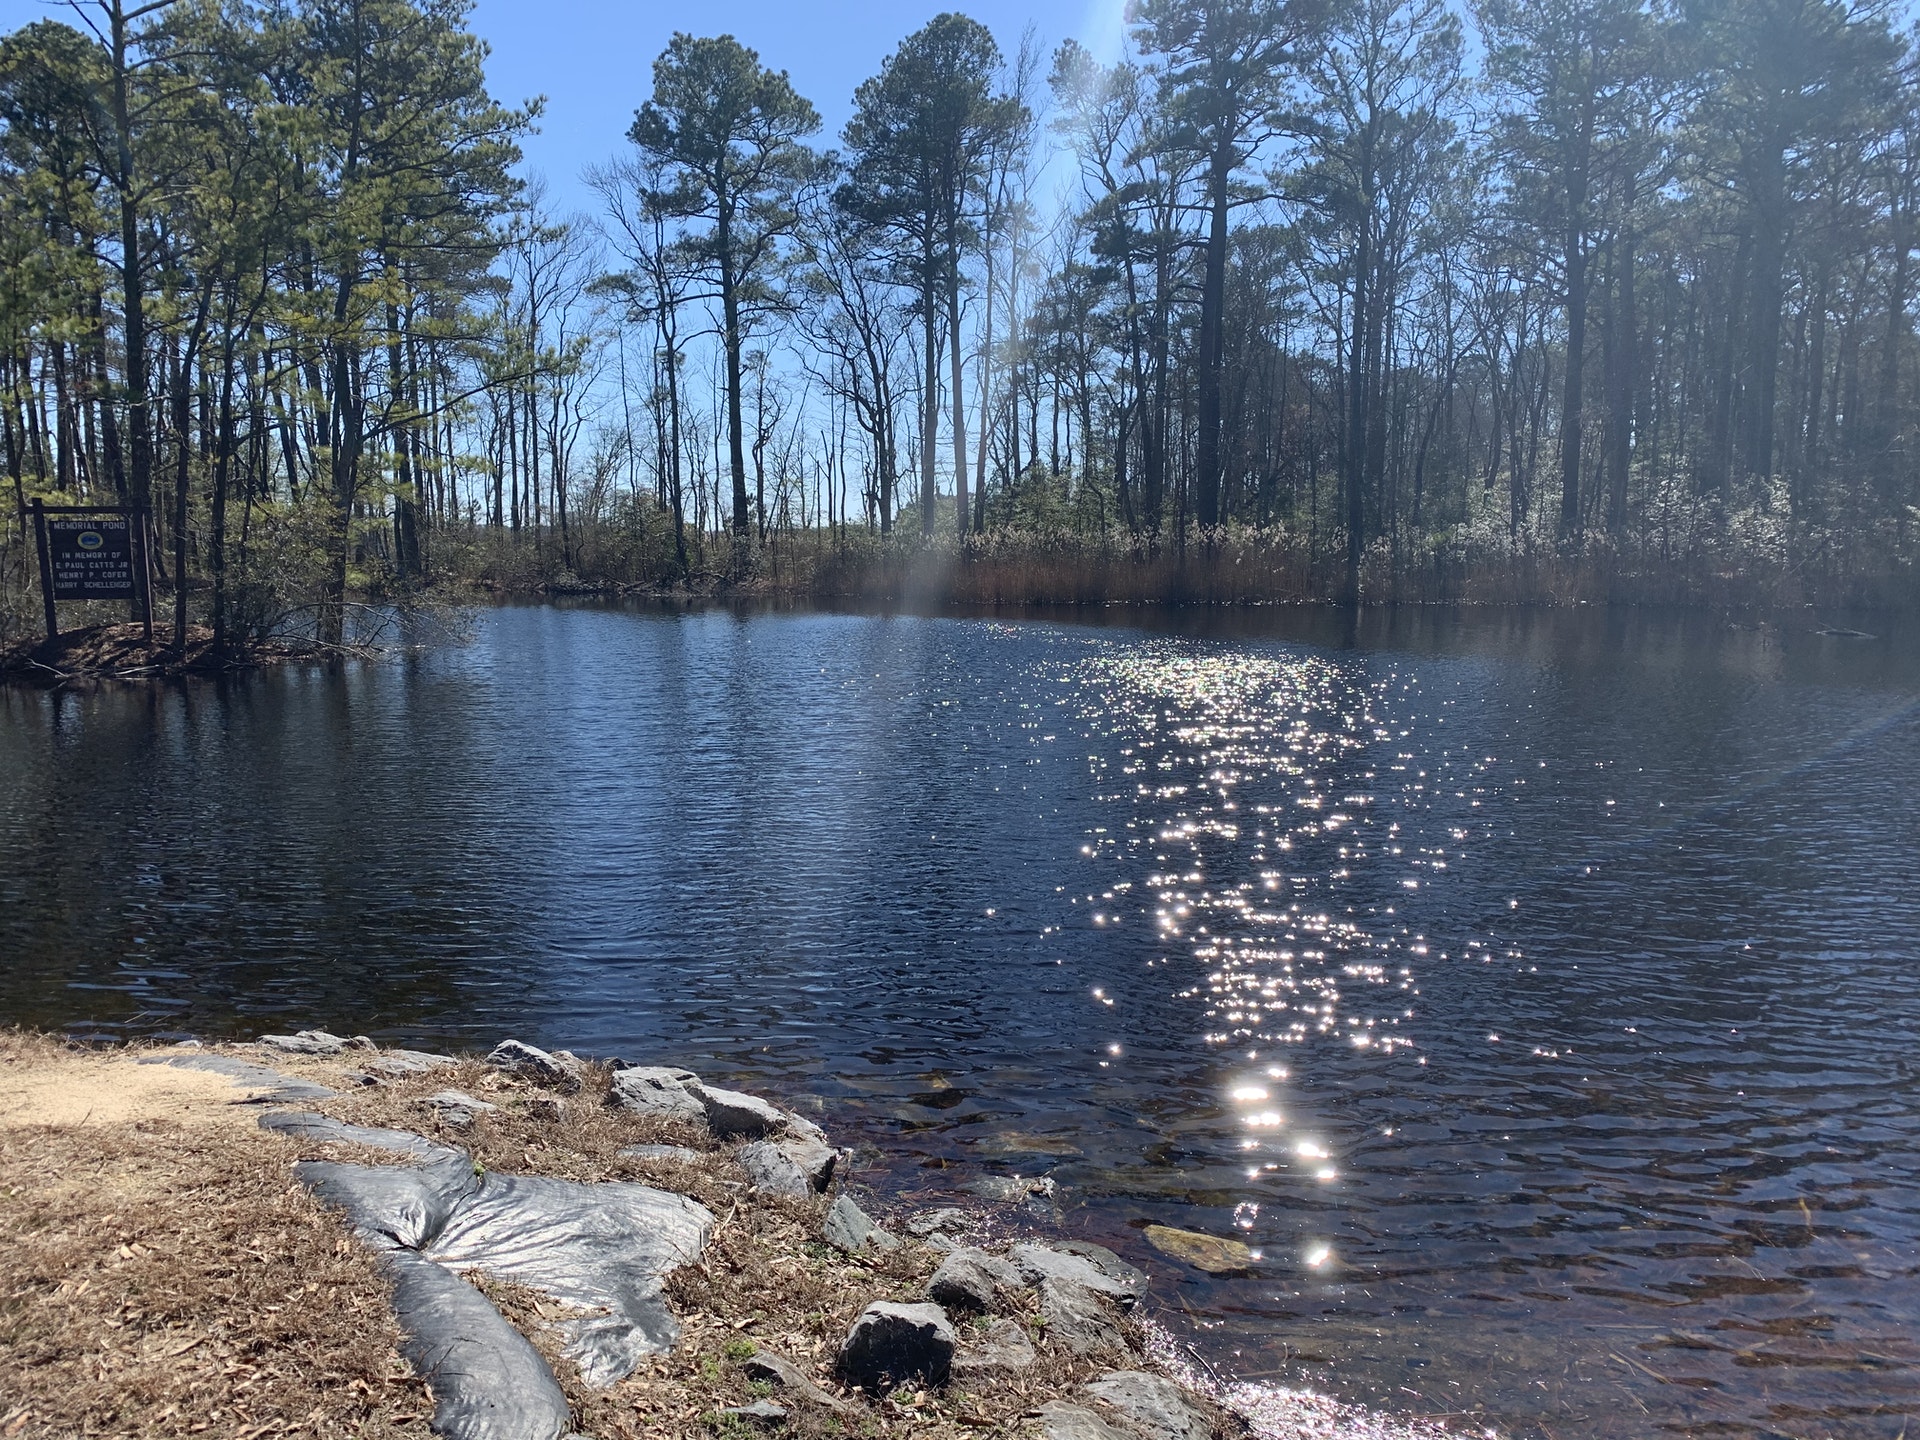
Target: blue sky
(592, 59)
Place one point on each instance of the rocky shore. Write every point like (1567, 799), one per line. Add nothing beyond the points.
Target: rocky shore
(579, 1248)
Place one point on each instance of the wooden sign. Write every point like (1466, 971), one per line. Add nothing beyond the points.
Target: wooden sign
(91, 557)
(92, 552)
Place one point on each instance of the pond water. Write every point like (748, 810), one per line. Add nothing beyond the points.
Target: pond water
(1535, 995)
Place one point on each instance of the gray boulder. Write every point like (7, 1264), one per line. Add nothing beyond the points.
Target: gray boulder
(817, 1160)
(306, 1042)
(1004, 1348)
(780, 1371)
(1060, 1420)
(1093, 1266)
(400, 1063)
(771, 1172)
(851, 1229)
(972, 1280)
(802, 1128)
(457, 1108)
(1152, 1404)
(1079, 1319)
(760, 1412)
(661, 1152)
(657, 1092)
(794, 1168)
(892, 1343)
(529, 1062)
(734, 1114)
(1106, 1262)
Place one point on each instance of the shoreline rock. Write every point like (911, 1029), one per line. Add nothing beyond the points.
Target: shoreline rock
(892, 1343)
(559, 1071)
(991, 1312)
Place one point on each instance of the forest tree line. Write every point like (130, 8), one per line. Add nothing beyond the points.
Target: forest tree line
(1355, 298)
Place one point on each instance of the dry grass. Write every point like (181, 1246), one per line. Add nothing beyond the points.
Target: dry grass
(164, 1276)
(168, 1276)
(766, 1282)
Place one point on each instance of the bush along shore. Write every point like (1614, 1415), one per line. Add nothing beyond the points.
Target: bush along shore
(567, 1248)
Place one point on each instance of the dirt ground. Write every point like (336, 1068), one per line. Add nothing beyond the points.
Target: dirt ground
(121, 652)
(162, 1273)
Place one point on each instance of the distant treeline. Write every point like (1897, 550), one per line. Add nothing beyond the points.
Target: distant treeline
(1314, 298)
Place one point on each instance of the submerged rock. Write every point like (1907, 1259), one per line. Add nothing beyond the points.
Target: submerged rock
(972, 1280)
(891, 1343)
(1014, 1142)
(1151, 1404)
(935, 1222)
(1012, 1191)
(1204, 1252)
(529, 1062)
(851, 1229)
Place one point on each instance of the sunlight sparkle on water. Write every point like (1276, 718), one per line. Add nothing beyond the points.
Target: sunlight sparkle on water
(1232, 759)
(1274, 1412)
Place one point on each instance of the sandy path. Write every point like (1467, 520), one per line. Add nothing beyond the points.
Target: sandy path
(76, 1088)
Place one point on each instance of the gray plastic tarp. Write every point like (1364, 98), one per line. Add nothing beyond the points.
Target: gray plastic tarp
(600, 1249)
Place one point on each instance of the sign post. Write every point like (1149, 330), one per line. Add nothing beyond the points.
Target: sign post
(143, 537)
(87, 553)
(46, 566)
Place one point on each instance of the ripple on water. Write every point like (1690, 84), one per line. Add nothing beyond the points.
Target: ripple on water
(1534, 998)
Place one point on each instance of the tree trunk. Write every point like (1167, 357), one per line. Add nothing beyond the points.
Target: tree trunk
(1763, 316)
(133, 302)
(1212, 343)
(1571, 399)
(1624, 334)
(930, 381)
(730, 316)
(956, 362)
(222, 468)
(1354, 468)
